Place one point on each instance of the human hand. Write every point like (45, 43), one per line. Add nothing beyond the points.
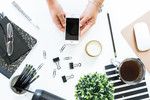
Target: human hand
(58, 15)
(88, 17)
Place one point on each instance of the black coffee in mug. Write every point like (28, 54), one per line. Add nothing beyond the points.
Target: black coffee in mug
(131, 70)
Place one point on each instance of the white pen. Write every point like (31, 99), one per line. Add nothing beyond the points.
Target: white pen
(24, 14)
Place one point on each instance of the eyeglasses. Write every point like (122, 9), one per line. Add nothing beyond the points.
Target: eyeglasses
(9, 39)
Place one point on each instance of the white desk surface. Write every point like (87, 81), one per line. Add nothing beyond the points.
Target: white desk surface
(122, 13)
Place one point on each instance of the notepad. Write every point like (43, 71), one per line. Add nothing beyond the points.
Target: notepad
(129, 36)
(142, 36)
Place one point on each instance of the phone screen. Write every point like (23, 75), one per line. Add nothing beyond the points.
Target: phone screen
(72, 29)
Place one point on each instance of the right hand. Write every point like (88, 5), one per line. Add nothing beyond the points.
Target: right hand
(58, 15)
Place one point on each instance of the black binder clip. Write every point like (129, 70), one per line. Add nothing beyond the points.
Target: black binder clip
(65, 78)
(71, 65)
(56, 61)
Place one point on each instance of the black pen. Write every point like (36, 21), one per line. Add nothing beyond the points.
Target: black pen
(31, 74)
(22, 76)
(112, 38)
(33, 79)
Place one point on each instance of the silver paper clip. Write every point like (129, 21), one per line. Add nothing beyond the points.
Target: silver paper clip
(40, 66)
(54, 73)
(62, 48)
(44, 54)
(67, 58)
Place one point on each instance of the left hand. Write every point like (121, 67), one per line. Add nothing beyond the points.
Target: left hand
(88, 17)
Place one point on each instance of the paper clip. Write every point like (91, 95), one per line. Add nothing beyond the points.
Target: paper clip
(40, 66)
(54, 73)
(62, 48)
(44, 54)
(67, 58)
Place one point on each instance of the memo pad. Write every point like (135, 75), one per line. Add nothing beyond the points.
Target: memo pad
(22, 44)
(128, 34)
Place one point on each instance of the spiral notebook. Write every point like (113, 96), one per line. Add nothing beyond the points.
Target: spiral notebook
(22, 45)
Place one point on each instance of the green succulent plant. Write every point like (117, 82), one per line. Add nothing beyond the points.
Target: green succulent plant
(94, 86)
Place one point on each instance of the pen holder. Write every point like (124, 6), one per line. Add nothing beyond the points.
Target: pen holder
(17, 90)
(23, 81)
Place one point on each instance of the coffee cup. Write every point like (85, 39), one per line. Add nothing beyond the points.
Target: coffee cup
(131, 70)
(93, 48)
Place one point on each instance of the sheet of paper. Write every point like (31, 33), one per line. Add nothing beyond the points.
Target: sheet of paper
(129, 36)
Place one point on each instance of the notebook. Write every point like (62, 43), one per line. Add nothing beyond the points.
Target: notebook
(22, 45)
(129, 36)
(125, 91)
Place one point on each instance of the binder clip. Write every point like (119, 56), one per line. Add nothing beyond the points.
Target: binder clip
(65, 78)
(71, 65)
(56, 61)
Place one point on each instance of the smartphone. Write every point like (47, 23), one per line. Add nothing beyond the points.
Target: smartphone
(72, 31)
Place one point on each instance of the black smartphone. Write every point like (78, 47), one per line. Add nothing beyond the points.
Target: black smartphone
(72, 30)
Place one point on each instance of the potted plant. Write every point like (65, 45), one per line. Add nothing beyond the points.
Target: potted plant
(94, 87)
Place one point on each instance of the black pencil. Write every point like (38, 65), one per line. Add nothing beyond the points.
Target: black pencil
(112, 38)
(33, 80)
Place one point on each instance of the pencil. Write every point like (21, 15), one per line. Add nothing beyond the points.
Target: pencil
(111, 33)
